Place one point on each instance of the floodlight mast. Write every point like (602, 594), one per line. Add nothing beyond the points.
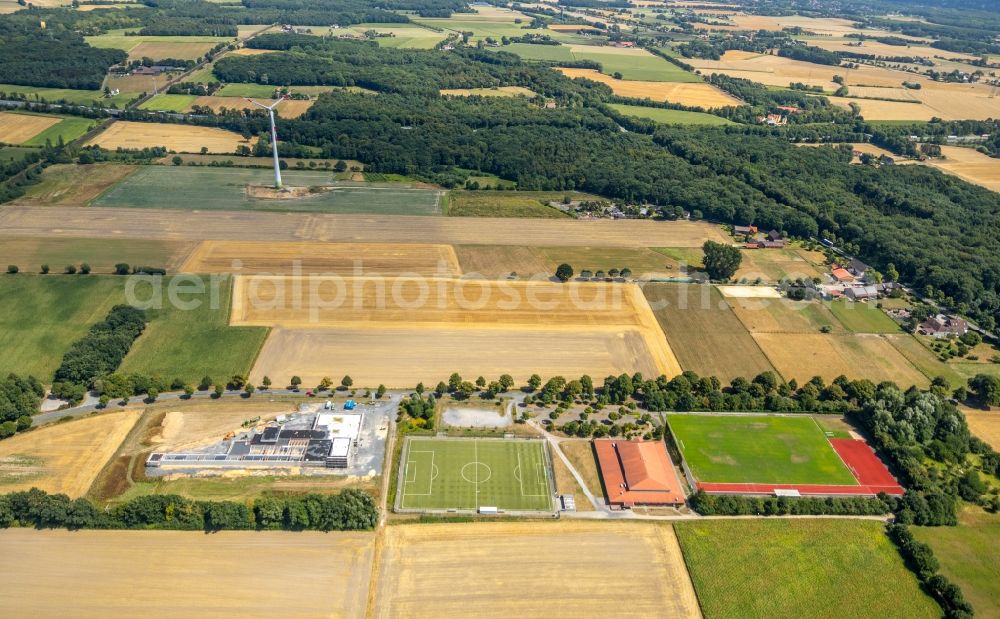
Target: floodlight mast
(274, 138)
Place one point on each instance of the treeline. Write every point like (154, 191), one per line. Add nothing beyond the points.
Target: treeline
(51, 57)
(98, 353)
(896, 137)
(809, 53)
(919, 557)
(813, 109)
(351, 510)
(739, 505)
(19, 400)
(327, 13)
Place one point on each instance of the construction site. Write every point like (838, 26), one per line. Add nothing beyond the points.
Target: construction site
(347, 439)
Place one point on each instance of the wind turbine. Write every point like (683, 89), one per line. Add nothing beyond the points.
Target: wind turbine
(274, 137)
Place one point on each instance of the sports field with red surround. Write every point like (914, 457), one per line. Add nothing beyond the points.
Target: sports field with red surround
(762, 454)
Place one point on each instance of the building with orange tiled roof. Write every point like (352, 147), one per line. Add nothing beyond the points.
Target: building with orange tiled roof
(638, 473)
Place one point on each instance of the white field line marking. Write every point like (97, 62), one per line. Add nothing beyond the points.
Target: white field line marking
(430, 475)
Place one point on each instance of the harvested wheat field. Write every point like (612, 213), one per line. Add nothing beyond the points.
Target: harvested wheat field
(827, 26)
(262, 226)
(64, 457)
(184, 574)
(341, 258)
(401, 356)
(533, 569)
(691, 94)
(984, 424)
(19, 128)
(249, 51)
(180, 138)
(399, 331)
(290, 108)
(804, 355)
(411, 301)
(969, 165)
(501, 260)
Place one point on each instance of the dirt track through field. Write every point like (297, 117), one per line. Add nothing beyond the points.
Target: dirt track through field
(263, 226)
(341, 258)
(184, 574)
(533, 569)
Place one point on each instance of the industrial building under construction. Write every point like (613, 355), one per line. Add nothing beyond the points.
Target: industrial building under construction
(325, 438)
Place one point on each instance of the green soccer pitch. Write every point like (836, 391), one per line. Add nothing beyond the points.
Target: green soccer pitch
(758, 449)
(446, 473)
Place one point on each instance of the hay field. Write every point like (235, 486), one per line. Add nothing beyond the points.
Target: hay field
(500, 91)
(184, 574)
(153, 223)
(180, 138)
(19, 128)
(774, 265)
(804, 355)
(704, 332)
(691, 94)
(783, 315)
(500, 260)
(532, 570)
(671, 117)
(181, 50)
(984, 424)
(67, 184)
(827, 26)
(63, 458)
(400, 356)
(340, 258)
(970, 165)
(250, 51)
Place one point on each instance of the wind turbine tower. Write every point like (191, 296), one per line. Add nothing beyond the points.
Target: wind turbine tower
(274, 138)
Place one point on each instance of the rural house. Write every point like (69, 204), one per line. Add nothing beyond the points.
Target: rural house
(857, 268)
(944, 326)
(840, 274)
(861, 293)
(745, 230)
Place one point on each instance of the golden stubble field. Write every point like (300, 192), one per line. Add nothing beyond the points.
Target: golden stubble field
(63, 457)
(691, 94)
(180, 138)
(984, 424)
(19, 128)
(291, 108)
(866, 85)
(184, 574)
(970, 165)
(165, 224)
(400, 331)
(342, 258)
(533, 569)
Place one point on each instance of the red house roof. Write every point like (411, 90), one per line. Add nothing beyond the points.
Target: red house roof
(638, 473)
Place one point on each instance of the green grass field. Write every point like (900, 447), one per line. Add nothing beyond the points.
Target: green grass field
(168, 103)
(967, 554)
(528, 51)
(758, 449)
(263, 91)
(76, 97)
(745, 569)
(671, 117)
(69, 129)
(504, 204)
(14, 153)
(863, 317)
(190, 344)
(471, 473)
(647, 67)
(30, 253)
(42, 315)
(192, 187)
(410, 36)
(117, 39)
